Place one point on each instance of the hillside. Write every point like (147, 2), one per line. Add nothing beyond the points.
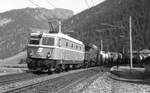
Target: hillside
(109, 21)
(15, 26)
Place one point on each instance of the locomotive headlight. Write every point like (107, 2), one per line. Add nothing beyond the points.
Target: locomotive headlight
(48, 54)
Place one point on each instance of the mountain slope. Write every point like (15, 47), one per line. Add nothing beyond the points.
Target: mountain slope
(109, 21)
(15, 26)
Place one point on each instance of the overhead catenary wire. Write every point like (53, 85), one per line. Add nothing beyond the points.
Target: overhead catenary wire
(51, 4)
(86, 2)
(34, 3)
(50, 20)
(38, 6)
(41, 7)
(93, 2)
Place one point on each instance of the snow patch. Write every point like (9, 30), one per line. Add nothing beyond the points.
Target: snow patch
(5, 21)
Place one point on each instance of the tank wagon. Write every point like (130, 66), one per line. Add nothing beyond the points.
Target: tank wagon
(54, 51)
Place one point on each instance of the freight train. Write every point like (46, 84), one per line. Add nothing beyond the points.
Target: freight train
(59, 52)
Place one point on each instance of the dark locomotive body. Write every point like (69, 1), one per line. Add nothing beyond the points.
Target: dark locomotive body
(92, 57)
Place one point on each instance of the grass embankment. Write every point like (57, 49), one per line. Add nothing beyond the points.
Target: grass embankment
(17, 61)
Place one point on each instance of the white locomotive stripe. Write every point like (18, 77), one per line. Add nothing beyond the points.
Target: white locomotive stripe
(45, 46)
(70, 49)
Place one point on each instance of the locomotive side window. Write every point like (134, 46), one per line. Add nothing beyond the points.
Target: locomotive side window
(76, 46)
(48, 41)
(62, 42)
(70, 44)
(66, 43)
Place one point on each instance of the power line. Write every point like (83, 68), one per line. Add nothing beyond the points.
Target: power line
(34, 3)
(51, 4)
(86, 2)
(92, 2)
(39, 7)
(48, 19)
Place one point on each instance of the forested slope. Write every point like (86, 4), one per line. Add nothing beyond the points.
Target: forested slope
(109, 21)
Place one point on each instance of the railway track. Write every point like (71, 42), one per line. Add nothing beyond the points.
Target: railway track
(62, 83)
(8, 79)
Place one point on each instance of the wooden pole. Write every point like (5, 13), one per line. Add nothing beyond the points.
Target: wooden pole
(101, 45)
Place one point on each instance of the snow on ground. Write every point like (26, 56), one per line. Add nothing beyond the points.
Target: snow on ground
(5, 21)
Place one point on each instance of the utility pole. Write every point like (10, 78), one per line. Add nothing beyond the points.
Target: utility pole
(130, 25)
(101, 45)
(123, 50)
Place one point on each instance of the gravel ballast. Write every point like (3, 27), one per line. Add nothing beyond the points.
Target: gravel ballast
(105, 84)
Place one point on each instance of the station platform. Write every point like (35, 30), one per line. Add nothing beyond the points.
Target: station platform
(136, 74)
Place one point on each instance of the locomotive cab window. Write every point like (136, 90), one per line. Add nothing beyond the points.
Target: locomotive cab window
(48, 41)
(34, 41)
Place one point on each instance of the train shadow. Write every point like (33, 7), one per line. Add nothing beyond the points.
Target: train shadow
(136, 75)
(36, 72)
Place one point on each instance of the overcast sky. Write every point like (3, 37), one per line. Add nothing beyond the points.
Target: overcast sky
(75, 5)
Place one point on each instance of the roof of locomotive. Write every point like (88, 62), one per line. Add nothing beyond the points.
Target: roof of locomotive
(57, 35)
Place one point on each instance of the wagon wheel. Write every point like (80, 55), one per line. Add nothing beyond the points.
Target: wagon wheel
(67, 67)
(58, 68)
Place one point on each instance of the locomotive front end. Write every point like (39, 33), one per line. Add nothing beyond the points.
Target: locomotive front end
(39, 51)
(40, 47)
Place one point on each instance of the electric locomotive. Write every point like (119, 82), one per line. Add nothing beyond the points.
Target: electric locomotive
(54, 52)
